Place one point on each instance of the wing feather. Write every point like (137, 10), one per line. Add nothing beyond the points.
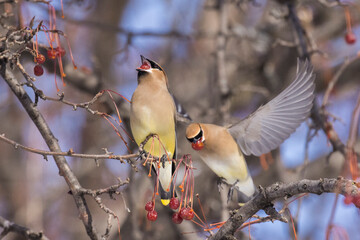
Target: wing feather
(266, 128)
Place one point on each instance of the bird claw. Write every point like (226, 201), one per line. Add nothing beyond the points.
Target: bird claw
(231, 190)
(220, 182)
(142, 155)
(163, 159)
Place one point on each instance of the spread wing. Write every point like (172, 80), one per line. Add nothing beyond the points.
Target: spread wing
(266, 128)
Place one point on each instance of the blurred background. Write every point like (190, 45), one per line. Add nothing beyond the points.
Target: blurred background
(223, 60)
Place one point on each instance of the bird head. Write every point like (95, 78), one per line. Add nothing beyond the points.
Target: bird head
(151, 69)
(195, 135)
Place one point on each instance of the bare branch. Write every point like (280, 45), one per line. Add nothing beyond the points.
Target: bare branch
(51, 141)
(70, 153)
(96, 195)
(109, 190)
(336, 77)
(332, 3)
(354, 125)
(24, 231)
(283, 190)
(221, 78)
(318, 115)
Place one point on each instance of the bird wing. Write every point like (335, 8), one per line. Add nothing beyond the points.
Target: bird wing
(266, 128)
(181, 114)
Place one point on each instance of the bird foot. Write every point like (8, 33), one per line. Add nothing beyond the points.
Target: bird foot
(220, 182)
(231, 190)
(163, 159)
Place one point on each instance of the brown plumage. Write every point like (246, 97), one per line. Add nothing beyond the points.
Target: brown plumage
(222, 148)
(153, 112)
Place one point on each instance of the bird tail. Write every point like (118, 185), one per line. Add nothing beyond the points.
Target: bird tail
(165, 196)
(246, 189)
(165, 185)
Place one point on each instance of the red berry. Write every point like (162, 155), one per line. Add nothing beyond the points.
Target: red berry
(348, 199)
(60, 51)
(152, 215)
(183, 212)
(198, 145)
(174, 203)
(38, 70)
(145, 66)
(187, 213)
(190, 215)
(52, 53)
(356, 201)
(149, 206)
(176, 218)
(350, 38)
(40, 58)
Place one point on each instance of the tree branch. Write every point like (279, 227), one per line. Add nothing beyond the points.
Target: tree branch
(318, 115)
(71, 153)
(24, 231)
(64, 168)
(276, 191)
(336, 77)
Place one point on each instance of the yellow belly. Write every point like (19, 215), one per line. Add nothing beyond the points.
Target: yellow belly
(145, 122)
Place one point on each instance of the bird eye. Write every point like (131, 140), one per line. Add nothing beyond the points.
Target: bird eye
(155, 65)
(199, 135)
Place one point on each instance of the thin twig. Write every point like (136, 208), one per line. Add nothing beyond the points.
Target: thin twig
(354, 125)
(332, 3)
(335, 78)
(69, 153)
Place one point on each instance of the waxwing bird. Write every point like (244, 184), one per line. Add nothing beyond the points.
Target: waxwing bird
(222, 148)
(153, 112)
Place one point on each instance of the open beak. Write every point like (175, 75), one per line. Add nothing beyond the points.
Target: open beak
(145, 64)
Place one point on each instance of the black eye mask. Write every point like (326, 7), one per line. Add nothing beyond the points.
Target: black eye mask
(197, 137)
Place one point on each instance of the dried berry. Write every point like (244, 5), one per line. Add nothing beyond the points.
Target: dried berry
(40, 58)
(52, 53)
(60, 51)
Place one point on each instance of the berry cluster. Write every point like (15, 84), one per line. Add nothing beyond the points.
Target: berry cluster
(184, 206)
(150, 208)
(52, 53)
(352, 199)
(186, 213)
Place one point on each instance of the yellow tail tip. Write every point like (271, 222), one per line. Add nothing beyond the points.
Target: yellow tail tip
(165, 202)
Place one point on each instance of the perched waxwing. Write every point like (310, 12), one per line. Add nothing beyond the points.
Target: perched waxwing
(153, 112)
(222, 148)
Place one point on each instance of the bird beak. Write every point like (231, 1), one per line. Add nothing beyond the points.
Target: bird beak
(198, 145)
(145, 65)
